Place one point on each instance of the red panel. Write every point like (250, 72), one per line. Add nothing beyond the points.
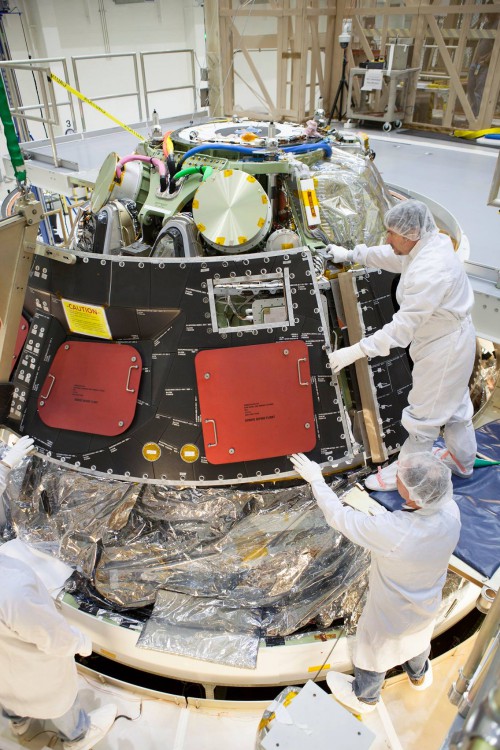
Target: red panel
(22, 332)
(255, 401)
(91, 388)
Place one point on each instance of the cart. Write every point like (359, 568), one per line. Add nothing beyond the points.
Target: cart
(387, 105)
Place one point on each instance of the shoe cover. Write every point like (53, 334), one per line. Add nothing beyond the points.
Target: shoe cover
(101, 721)
(427, 679)
(384, 480)
(341, 686)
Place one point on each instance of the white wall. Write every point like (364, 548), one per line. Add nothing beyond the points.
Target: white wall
(68, 28)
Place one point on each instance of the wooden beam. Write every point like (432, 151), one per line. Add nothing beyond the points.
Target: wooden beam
(491, 86)
(238, 39)
(457, 59)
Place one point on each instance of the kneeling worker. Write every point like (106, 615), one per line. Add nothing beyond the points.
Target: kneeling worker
(410, 550)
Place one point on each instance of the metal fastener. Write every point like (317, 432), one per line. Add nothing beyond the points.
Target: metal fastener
(231, 451)
(207, 376)
(120, 423)
(307, 425)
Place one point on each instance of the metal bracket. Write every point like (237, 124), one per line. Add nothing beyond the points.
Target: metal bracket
(47, 251)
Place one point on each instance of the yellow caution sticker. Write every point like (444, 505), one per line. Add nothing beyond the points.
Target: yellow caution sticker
(151, 451)
(241, 240)
(310, 202)
(228, 172)
(195, 203)
(220, 240)
(201, 227)
(251, 178)
(286, 245)
(261, 222)
(88, 320)
(85, 99)
(264, 199)
(189, 453)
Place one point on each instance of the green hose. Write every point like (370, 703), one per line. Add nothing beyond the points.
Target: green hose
(15, 154)
(478, 462)
(206, 171)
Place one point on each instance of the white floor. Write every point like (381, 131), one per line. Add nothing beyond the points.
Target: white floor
(147, 720)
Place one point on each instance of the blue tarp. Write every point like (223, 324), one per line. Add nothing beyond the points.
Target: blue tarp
(479, 501)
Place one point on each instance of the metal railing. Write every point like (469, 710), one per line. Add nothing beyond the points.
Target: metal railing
(49, 106)
(136, 94)
(147, 91)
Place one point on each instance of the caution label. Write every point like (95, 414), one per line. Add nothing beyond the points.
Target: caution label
(88, 320)
(151, 451)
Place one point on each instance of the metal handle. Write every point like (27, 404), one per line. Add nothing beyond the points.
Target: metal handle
(302, 359)
(132, 367)
(212, 421)
(50, 386)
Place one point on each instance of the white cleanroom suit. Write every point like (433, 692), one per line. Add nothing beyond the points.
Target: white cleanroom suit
(410, 552)
(38, 676)
(436, 300)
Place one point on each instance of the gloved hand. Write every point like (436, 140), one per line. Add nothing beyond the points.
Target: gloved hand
(340, 358)
(308, 470)
(85, 647)
(16, 454)
(339, 254)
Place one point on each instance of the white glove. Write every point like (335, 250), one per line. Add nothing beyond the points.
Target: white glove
(85, 647)
(339, 254)
(308, 470)
(340, 358)
(16, 454)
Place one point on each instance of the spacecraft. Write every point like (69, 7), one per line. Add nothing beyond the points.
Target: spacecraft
(169, 363)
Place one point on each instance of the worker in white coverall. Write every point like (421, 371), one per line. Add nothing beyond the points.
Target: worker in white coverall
(410, 550)
(38, 677)
(435, 301)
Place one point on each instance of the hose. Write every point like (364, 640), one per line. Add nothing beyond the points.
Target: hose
(218, 147)
(206, 171)
(160, 166)
(304, 148)
(15, 154)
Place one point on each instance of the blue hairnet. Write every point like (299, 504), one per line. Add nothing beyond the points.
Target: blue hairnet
(410, 219)
(427, 479)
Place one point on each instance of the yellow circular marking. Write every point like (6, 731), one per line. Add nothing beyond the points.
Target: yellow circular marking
(189, 453)
(151, 451)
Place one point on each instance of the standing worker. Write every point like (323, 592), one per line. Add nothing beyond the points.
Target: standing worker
(38, 677)
(435, 301)
(410, 552)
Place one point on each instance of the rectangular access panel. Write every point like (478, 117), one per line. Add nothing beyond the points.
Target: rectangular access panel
(255, 401)
(91, 387)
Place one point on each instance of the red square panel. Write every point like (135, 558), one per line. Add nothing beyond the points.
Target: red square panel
(255, 401)
(91, 388)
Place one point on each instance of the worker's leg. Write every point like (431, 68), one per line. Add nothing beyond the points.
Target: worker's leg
(367, 685)
(19, 725)
(74, 724)
(460, 438)
(417, 666)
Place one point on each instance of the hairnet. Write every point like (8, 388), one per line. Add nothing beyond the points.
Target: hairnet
(411, 219)
(427, 479)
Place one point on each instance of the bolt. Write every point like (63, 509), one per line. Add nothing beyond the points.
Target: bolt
(66, 346)
(134, 359)
(33, 210)
(285, 351)
(307, 425)
(42, 403)
(207, 376)
(120, 423)
(231, 451)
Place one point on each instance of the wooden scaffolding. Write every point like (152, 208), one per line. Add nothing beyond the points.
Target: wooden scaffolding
(287, 55)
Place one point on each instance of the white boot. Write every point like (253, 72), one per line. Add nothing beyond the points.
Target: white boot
(341, 686)
(384, 480)
(422, 683)
(18, 728)
(101, 721)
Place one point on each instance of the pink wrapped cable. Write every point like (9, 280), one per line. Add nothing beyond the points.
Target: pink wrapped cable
(160, 166)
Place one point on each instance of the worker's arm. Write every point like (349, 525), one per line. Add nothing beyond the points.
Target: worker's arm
(378, 256)
(422, 295)
(376, 533)
(34, 618)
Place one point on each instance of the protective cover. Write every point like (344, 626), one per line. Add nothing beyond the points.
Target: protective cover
(478, 500)
(353, 199)
(270, 550)
(283, 699)
(206, 629)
